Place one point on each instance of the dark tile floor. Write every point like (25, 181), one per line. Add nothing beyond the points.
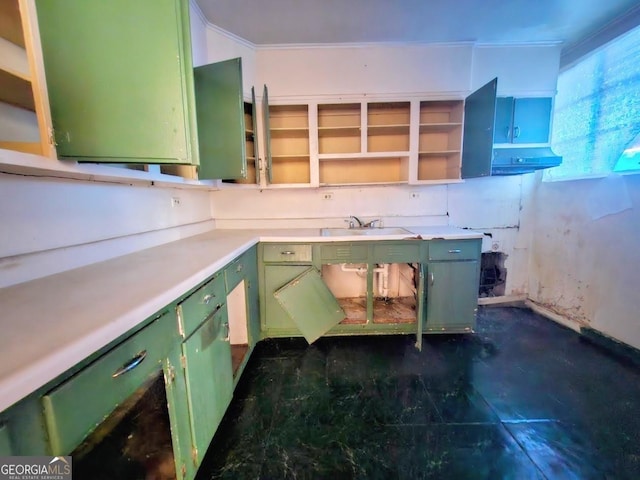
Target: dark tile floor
(522, 398)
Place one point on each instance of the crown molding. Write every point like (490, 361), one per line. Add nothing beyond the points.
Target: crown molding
(620, 25)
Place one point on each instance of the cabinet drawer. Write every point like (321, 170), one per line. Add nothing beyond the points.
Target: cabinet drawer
(454, 249)
(408, 252)
(237, 270)
(194, 309)
(76, 407)
(344, 252)
(286, 252)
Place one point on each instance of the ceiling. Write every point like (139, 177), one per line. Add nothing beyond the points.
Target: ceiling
(268, 22)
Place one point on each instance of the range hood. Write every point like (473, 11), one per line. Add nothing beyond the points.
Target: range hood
(516, 161)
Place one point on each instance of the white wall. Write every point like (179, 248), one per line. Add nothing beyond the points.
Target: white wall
(50, 225)
(584, 266)
(358, 70)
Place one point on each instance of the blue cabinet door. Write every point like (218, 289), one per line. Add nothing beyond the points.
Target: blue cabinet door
(522, 120)
(531, 120)
(504, 120)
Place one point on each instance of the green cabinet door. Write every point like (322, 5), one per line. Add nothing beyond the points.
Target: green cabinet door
(452, 296)
(5, 442)
(504, 120)
(477, 140)
(267, 133)
(120, 79)
(209, 379)
(220, 113)
(310, 304)
(178, 406)
(254, 129)
(276, 319)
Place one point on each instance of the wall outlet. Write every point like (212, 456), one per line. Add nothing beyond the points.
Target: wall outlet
(175, 201)
(327, 195)
(414, 195)
(495, 245)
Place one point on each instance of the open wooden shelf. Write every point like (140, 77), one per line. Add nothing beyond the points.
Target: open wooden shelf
(363, 170)
(289, 144)
(16, 91)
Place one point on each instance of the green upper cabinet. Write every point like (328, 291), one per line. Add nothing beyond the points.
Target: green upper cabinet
(120, 79)
(221, 120)
(267, 133)
(477, 142)
(522, 120)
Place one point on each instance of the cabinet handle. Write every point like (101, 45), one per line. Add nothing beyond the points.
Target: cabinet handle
(207, 298)
(131, 364)
(239, 268)
(288, 252)
(456, 250)
(431, 278)
(516, 132)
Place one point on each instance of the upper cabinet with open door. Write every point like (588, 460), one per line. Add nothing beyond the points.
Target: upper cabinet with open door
(226, 123)
(286, 134)
(120, 80)
(479, 119)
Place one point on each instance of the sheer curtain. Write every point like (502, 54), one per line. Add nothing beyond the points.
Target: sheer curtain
(597, 109)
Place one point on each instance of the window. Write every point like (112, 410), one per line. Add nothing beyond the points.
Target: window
(596, 124)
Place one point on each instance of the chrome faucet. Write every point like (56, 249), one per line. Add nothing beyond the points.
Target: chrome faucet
(353, 220)
(352, 223)
(372, 223)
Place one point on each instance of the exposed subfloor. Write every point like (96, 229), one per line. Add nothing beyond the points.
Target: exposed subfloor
(522, 398)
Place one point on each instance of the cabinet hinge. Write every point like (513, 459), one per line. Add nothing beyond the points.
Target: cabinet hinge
(183, 361)
(194, 455)
(180, 320)
(183, 470)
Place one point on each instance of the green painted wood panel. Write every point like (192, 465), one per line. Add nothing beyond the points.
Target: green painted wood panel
(276, 276)
(220, 114)
(477, 144)
(254, 121)
(5, 441)
(421, 303)
(178, 406)
(452, 296)
(267, 132)
(209, 379)
(200, 304)
(310, 304)
(70, 416)
(120, 81)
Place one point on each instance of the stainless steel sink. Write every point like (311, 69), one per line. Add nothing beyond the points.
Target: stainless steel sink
(368, 232)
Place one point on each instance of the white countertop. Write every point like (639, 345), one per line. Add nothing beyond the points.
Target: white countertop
(51, 324)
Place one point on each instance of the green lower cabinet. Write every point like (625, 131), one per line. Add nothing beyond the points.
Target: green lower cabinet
(452, 296)
(5, 441)
(178, 405)
(277, 320)
(209, 379)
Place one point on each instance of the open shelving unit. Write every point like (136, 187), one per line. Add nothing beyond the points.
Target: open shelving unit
(289, 131)
(440, 140)
(363, 143)
(23, 126)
